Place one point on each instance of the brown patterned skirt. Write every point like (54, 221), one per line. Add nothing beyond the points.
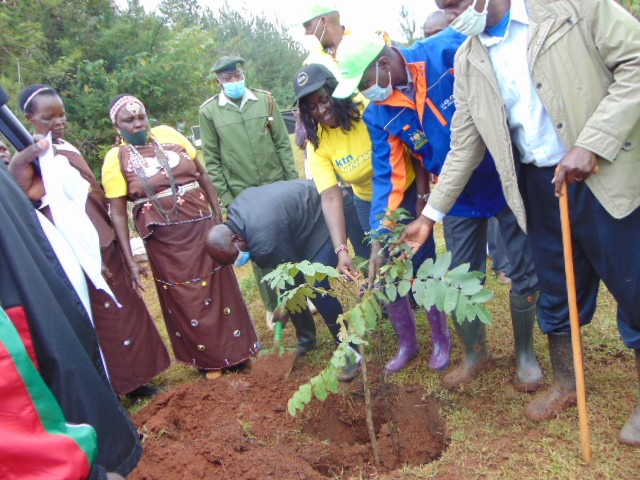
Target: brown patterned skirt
(208, 322)
(133, 349)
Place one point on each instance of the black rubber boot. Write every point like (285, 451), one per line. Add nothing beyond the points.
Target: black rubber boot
(561, 395)
(528, 377)
(630, 433)
(305, 331)
(475, 356)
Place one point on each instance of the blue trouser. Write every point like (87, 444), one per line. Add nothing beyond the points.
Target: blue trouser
(363, 209)
(466, 239)
(496, 247)
(603, 248)
(355, 229)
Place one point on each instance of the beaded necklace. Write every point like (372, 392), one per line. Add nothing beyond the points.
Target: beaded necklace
(139, 163)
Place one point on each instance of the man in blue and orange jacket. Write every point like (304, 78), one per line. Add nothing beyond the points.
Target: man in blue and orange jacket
(413, 104)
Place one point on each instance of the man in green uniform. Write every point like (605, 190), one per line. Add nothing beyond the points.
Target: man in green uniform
(245, 144)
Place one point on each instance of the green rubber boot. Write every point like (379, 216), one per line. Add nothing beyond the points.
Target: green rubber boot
(528, 377)
(561, 395)
(630, 433)
(475, 356)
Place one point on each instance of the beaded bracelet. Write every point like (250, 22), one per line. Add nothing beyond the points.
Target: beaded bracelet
(341, 248)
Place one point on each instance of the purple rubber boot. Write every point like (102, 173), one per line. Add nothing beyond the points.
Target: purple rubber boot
(441, 339)
(404, 323)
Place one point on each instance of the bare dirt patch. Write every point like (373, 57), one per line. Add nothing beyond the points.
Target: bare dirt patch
(237, 427)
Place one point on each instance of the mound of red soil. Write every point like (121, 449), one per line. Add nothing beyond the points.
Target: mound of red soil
(237, 427)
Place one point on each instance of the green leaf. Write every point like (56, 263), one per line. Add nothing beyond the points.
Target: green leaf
(331, 380)
(319, 389)
(356, 320)
(442, 265)
(451, 300)
(439, 292)
(307, 268)
(470, 314)
(471, 287)
(305, 393)
(426, 269)
(338, 359)
(404, 287)
(369, 314)
(419, 291)
(459, 270)
(393, 271)
(392, 291)
(293, 405)
(482, 296)
(483, 314)
(326, 271)
(408, 269)
(381, 296)
(461, 308)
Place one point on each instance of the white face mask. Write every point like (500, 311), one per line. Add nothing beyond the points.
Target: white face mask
(471, 22)
(376, 93)
(311, 43)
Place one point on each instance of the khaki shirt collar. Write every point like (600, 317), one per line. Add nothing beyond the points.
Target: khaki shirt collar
(223, 100)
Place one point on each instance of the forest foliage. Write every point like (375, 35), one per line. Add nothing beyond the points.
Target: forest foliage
(90, 51)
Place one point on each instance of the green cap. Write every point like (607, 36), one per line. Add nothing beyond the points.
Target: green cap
(355, 53)
(228, 63)
(317, 9)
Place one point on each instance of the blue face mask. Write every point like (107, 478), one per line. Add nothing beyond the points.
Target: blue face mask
(243, 258)
(138, 138)
(234, 89)
(376, 93)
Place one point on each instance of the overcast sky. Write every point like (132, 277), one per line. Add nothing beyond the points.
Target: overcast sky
(355, 14)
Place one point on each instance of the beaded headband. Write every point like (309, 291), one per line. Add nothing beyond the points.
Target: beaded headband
(132, 104)
(33, 95)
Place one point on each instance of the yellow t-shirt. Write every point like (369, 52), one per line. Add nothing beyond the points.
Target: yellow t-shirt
(347, 154)
(114, 182)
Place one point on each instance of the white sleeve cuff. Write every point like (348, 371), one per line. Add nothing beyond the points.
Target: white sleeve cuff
(433, 213)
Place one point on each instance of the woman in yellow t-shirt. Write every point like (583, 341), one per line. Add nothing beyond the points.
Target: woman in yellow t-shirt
(338, 149)
(174, 207)
(339, 146)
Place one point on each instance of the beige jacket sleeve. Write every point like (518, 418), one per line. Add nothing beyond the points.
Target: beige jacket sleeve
(617, 38)
(467, 151)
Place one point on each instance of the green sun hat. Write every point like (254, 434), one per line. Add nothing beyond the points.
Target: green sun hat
(315, 10)
(355, 53)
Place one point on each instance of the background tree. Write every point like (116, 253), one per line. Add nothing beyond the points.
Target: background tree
(89, 50)
(408, 25)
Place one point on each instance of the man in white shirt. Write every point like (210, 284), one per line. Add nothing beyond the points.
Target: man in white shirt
(552, 90)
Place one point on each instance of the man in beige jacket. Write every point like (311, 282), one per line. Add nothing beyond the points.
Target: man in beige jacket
(552, 89)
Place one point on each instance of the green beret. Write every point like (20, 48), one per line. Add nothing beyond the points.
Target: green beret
(228, 63)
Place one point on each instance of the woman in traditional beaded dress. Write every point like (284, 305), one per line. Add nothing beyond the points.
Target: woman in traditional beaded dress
(133, 350)
(156, 169)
